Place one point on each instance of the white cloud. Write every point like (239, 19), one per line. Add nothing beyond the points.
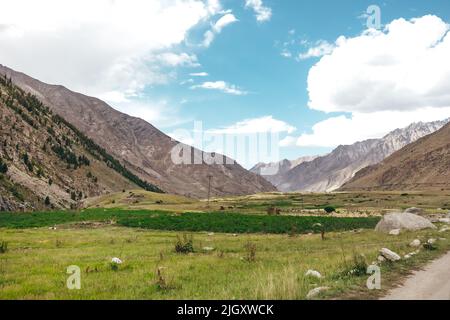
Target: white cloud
(256, 125)
(199, 74)
(225, 20)
(176, 60)
(262, 12)
(404, 67)
(320, 49)
(221, 86)
(383, 80)
(344, 130)
(288, 141)
(101, 46)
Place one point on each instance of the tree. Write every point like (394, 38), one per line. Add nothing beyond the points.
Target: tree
(3, 167)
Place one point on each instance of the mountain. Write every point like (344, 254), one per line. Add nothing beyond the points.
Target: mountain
(274, 171)
(47, 163)
(140, 147)
(330, 172)
(422, 165)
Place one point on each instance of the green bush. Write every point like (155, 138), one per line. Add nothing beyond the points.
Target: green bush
(3, 167)
(329, 209)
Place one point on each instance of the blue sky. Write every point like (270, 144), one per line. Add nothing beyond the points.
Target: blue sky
(248, 54)
(143, 57)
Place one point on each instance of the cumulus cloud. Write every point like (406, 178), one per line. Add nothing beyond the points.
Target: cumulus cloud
(381, 80)
(221, 86)
(256, 125)
(343, 130)
(99, 46)
(262, 12)
(176, 60)
(404, 67)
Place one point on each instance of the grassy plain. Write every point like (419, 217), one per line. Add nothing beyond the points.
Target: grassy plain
(38, 254)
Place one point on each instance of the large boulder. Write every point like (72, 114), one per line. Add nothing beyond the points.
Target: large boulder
(403, 221)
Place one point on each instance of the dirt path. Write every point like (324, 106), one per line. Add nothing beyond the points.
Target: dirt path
(431, 283)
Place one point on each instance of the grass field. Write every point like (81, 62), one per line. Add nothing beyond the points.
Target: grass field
(348, 203)
(239, 253)
(215, 221)
(34, 267)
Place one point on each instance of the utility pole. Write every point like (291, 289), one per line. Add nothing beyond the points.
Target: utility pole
(209, 187)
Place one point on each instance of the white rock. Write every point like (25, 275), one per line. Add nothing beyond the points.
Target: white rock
(315, 292)
(208, 249)
(389, 255)
(431, 241)
(381, 259)
(444, 229)
(415, 210)
(313, 273)
(408, 256)
(445, 220)
(394, 232)
(403, 221)
(415, 243)
(211, 234)
(116, 260)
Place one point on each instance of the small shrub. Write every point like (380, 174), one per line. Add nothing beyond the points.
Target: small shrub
(430, 246)
(184, 244)
(250, 249)
(3, 246)
(329, 209)
(356, 267)
(47, 201)
(114, 266)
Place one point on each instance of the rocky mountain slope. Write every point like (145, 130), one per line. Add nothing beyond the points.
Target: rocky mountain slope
(330, 172)
(422, 165)
(274, 171)
(47, 163)
(139, 146)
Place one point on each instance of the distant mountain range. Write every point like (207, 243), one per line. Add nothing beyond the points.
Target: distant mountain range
(328, 173)
(138, 146)
(421, 165)
(274, 171)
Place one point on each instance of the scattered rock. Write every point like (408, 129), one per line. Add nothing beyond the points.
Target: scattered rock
(444, 229)
(381, 259)
(431, 241)
(415, 243)
(444, 220)
(313, 273)
(403, 221)
(394, 232)
(408, 256)
(315, 292)
(211, 234)
(208, 249)
(389, 255)
(116, 260)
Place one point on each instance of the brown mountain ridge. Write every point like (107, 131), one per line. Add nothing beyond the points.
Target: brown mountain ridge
(140, 147)
(421, 165)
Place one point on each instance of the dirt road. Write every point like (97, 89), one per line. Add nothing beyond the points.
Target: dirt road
(431, 283)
